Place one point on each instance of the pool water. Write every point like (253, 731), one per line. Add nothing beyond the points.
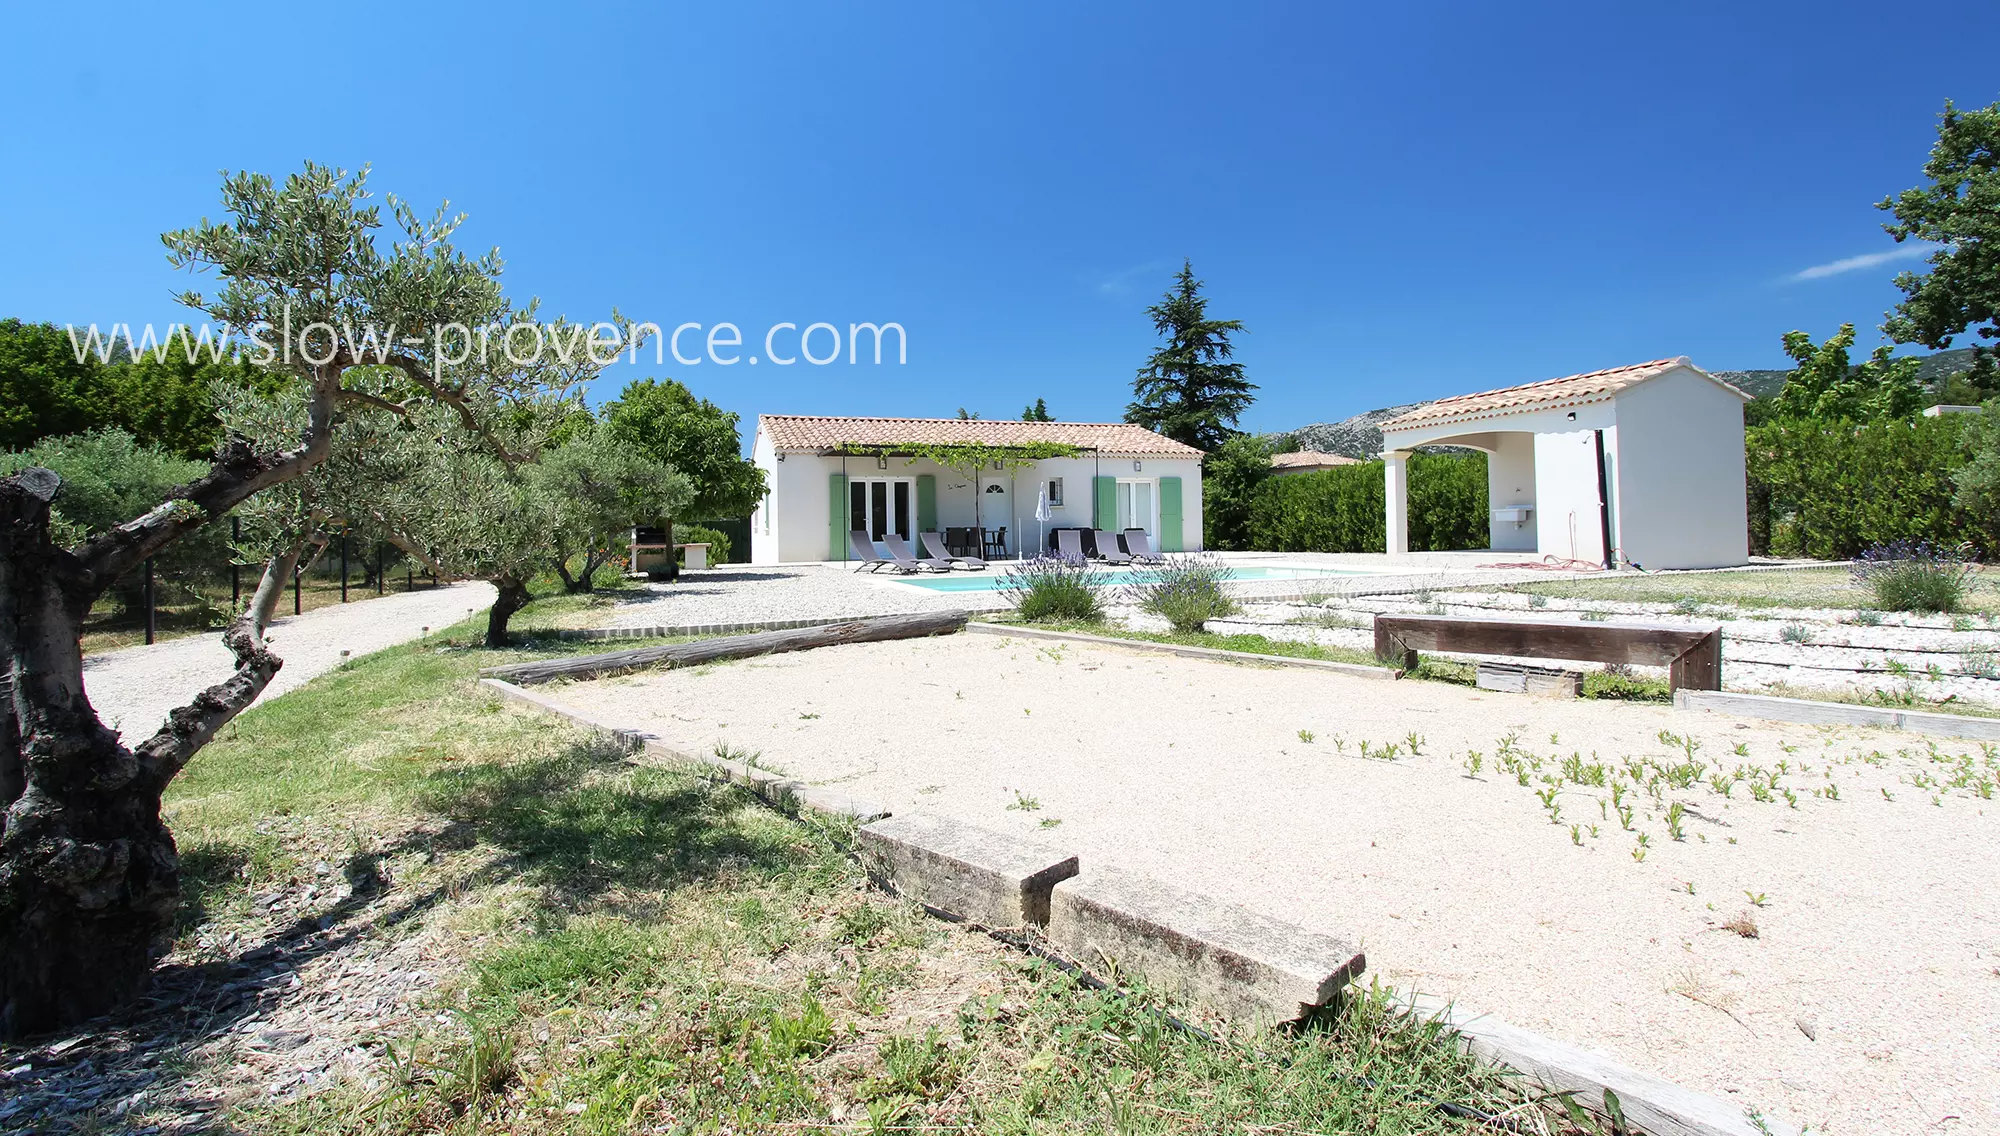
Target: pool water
(992, 581)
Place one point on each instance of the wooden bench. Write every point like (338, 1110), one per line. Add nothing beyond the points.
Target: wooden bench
(1693, 655)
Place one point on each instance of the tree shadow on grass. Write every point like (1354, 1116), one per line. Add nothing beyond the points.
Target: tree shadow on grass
(585, 826)
(588, 822)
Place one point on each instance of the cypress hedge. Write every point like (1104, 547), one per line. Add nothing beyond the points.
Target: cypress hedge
(1829, 490)
(1340, 510)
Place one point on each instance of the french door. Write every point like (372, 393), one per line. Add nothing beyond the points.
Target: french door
(882, 505)
(1137, 500)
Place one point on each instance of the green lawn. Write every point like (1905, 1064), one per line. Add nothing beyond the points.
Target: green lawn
(1829, 587)
(629, 947)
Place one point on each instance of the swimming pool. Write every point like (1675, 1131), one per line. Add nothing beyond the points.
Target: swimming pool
(991, 581)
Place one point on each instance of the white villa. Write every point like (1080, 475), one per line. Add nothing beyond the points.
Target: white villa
(1640, 464)
(828, 476)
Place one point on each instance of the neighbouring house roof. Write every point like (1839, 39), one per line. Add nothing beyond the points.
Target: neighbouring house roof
(1591, 386)
(1308, 459)
(797, 433)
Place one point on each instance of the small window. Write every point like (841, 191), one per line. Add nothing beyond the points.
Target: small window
(1055, 492)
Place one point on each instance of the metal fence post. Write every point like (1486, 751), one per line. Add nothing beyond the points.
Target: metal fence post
(343, 566)
(295, 589)
(381, 563)
(151, 623)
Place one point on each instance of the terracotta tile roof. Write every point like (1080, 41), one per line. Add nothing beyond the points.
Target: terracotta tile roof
(1309, 459)
(1590, 386)
(794, 433)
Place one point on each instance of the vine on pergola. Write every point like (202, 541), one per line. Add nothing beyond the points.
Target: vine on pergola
(967, 459)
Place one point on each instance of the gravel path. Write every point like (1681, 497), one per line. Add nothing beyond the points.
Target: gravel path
(1868, 1002)
(134, 689)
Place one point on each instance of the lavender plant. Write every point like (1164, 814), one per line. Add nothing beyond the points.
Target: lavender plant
(1186, 591)
(1918, 576)
(1051, 589)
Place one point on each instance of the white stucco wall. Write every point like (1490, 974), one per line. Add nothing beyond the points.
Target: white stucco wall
(1680, 478)
(1568, 523)
(764, 520)
(1510, 480)
(798, 529)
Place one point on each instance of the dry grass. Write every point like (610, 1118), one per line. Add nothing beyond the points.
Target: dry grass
(1742, 925)
(1831, 586)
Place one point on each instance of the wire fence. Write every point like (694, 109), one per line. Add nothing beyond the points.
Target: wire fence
(167, 599)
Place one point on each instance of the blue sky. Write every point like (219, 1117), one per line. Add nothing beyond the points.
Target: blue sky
(1400, 205)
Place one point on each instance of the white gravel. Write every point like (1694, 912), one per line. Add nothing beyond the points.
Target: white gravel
(742, 593)
(1868, 1003)
(134, 689)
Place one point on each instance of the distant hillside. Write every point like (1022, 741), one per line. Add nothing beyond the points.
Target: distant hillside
(1361, 435)
(1356, 437)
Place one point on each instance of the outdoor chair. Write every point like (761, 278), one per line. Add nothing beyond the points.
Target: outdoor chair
(1108, 550)
(941, 550)
(1069, 545)
(1141, 547)
(899, 551)
(864, 551)
(995, 544)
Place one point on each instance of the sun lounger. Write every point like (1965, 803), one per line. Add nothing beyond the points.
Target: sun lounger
(864, 551)
(899, 551)
(1069, 545)
(934, 544)
(1141, 547)
(1108, 550)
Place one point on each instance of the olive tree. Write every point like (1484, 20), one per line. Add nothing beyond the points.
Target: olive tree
(597, 486)
(89, 877)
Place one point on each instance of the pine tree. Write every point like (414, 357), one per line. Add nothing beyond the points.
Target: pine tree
(1038, 411)
(1189, 390)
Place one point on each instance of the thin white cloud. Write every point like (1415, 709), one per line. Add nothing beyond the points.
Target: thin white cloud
(1123, 283)
(1910, 250)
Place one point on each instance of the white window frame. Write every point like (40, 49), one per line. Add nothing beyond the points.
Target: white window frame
(868, 505)
(1055, 493)
(1152, 524)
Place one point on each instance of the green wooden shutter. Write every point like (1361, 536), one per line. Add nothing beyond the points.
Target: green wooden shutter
(836, 518)
(1170, 514)
(926, 508)
(1106, 490)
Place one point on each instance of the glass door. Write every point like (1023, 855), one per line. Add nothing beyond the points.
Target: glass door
(879, 506)
(1135, 506)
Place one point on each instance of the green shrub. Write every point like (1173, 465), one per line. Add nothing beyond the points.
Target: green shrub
(108, 478)
(716, 539)
(1829, 490)
(1619, 686)
(1341, 510)
(1186, 591)
(1448, 502)
(1051, 589)
(1917, 575)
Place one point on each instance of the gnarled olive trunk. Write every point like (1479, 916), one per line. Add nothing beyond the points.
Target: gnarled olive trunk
(89, 877)
(511, 596)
